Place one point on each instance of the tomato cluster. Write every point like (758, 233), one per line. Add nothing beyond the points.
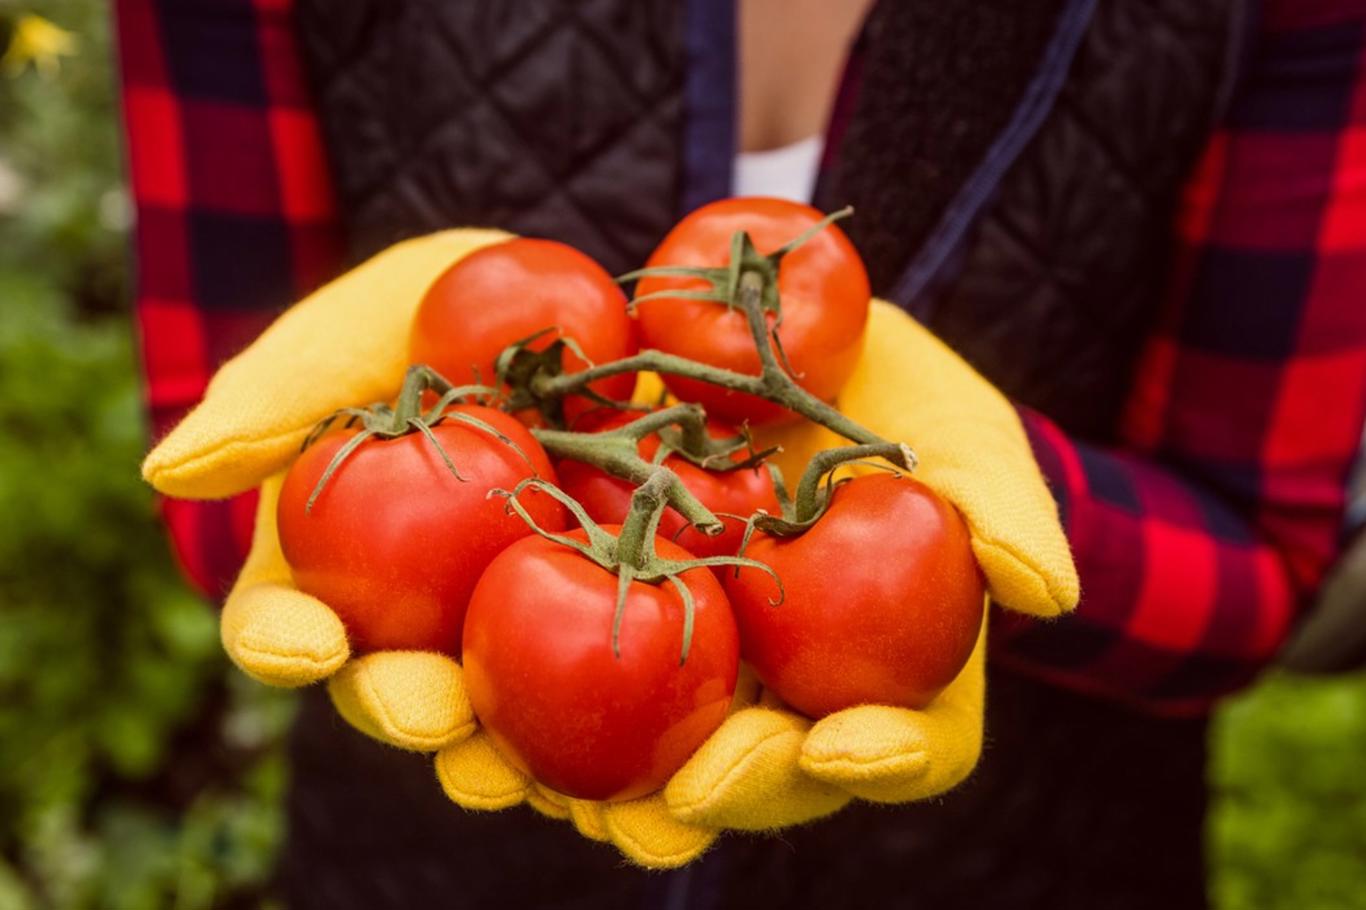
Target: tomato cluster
(600, 688)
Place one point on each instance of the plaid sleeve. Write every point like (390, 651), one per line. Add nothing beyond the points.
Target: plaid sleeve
(1199, 540)
(234, 213)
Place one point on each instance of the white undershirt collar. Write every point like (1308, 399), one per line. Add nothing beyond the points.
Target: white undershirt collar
(788, 172)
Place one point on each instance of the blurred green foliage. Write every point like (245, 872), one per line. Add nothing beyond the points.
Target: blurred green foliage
(138, 771)
(1288, 820)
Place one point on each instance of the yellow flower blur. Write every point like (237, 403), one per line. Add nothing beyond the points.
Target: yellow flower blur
(39, 42)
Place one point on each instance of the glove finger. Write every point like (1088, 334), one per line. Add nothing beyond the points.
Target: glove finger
(275, 633)
(586, 814)
(895, 755)
(474, 775)
(410, 699)
(973, 451)
(547, 802)
(746, 776)
(648, 835)
(282, 637)
(346, 344)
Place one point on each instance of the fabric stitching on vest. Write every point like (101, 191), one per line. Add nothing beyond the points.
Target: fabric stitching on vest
(558, 184)
(1047, 268)
(406, 177)
(478, 86)
(1030, 115)
(1086, 128)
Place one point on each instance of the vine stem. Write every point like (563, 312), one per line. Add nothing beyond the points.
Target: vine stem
(616, 452)
(811, 499)
(772, 383)
(635, 541)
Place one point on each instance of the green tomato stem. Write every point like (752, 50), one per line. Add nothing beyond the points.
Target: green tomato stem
(812, 495)
(616, 453)
(631, 554)
(635, 542)
(772, 384)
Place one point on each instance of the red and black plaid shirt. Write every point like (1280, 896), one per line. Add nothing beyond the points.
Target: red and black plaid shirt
(1197, 539)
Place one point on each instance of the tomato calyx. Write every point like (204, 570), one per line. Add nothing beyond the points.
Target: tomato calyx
(818, 483)
(745, 270)
(691, 442)
(382, 421)
(631, 554)
(518, 366)
(725, 281)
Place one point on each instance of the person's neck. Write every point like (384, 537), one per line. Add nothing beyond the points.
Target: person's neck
(792, 53)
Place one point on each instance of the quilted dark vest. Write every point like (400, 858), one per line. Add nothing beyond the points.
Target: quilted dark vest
(546, 118)
(1015, 167)
(1033, 235)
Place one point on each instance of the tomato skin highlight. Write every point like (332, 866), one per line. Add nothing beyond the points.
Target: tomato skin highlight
(883, 604)
(503, 293)
(394, 543)
(825, 299)
(607, 499)
(543, 680)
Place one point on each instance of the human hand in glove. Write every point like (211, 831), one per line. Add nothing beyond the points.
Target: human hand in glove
(766, 766)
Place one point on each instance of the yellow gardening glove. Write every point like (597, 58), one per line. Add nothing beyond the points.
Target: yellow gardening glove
(284, 637)
(475, 775)
(345, 345)
(765, 767)
(910, 387)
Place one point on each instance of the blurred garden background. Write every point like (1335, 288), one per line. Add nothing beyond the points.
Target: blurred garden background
(137, 770)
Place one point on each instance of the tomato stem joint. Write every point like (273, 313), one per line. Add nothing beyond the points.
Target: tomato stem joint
(631, 554)
(406, 416)
(818, 484)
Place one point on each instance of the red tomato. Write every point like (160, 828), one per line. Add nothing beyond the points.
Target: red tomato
(503, 293)
(883, 601)
(560, 705)
(607, 499)
(394, 543)
(825, 298)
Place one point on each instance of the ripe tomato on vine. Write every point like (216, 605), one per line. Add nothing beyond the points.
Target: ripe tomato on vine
(587, 719)
(732, 493)
(394, 541)
(822, 287)
(883, 601)
(511, 291)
